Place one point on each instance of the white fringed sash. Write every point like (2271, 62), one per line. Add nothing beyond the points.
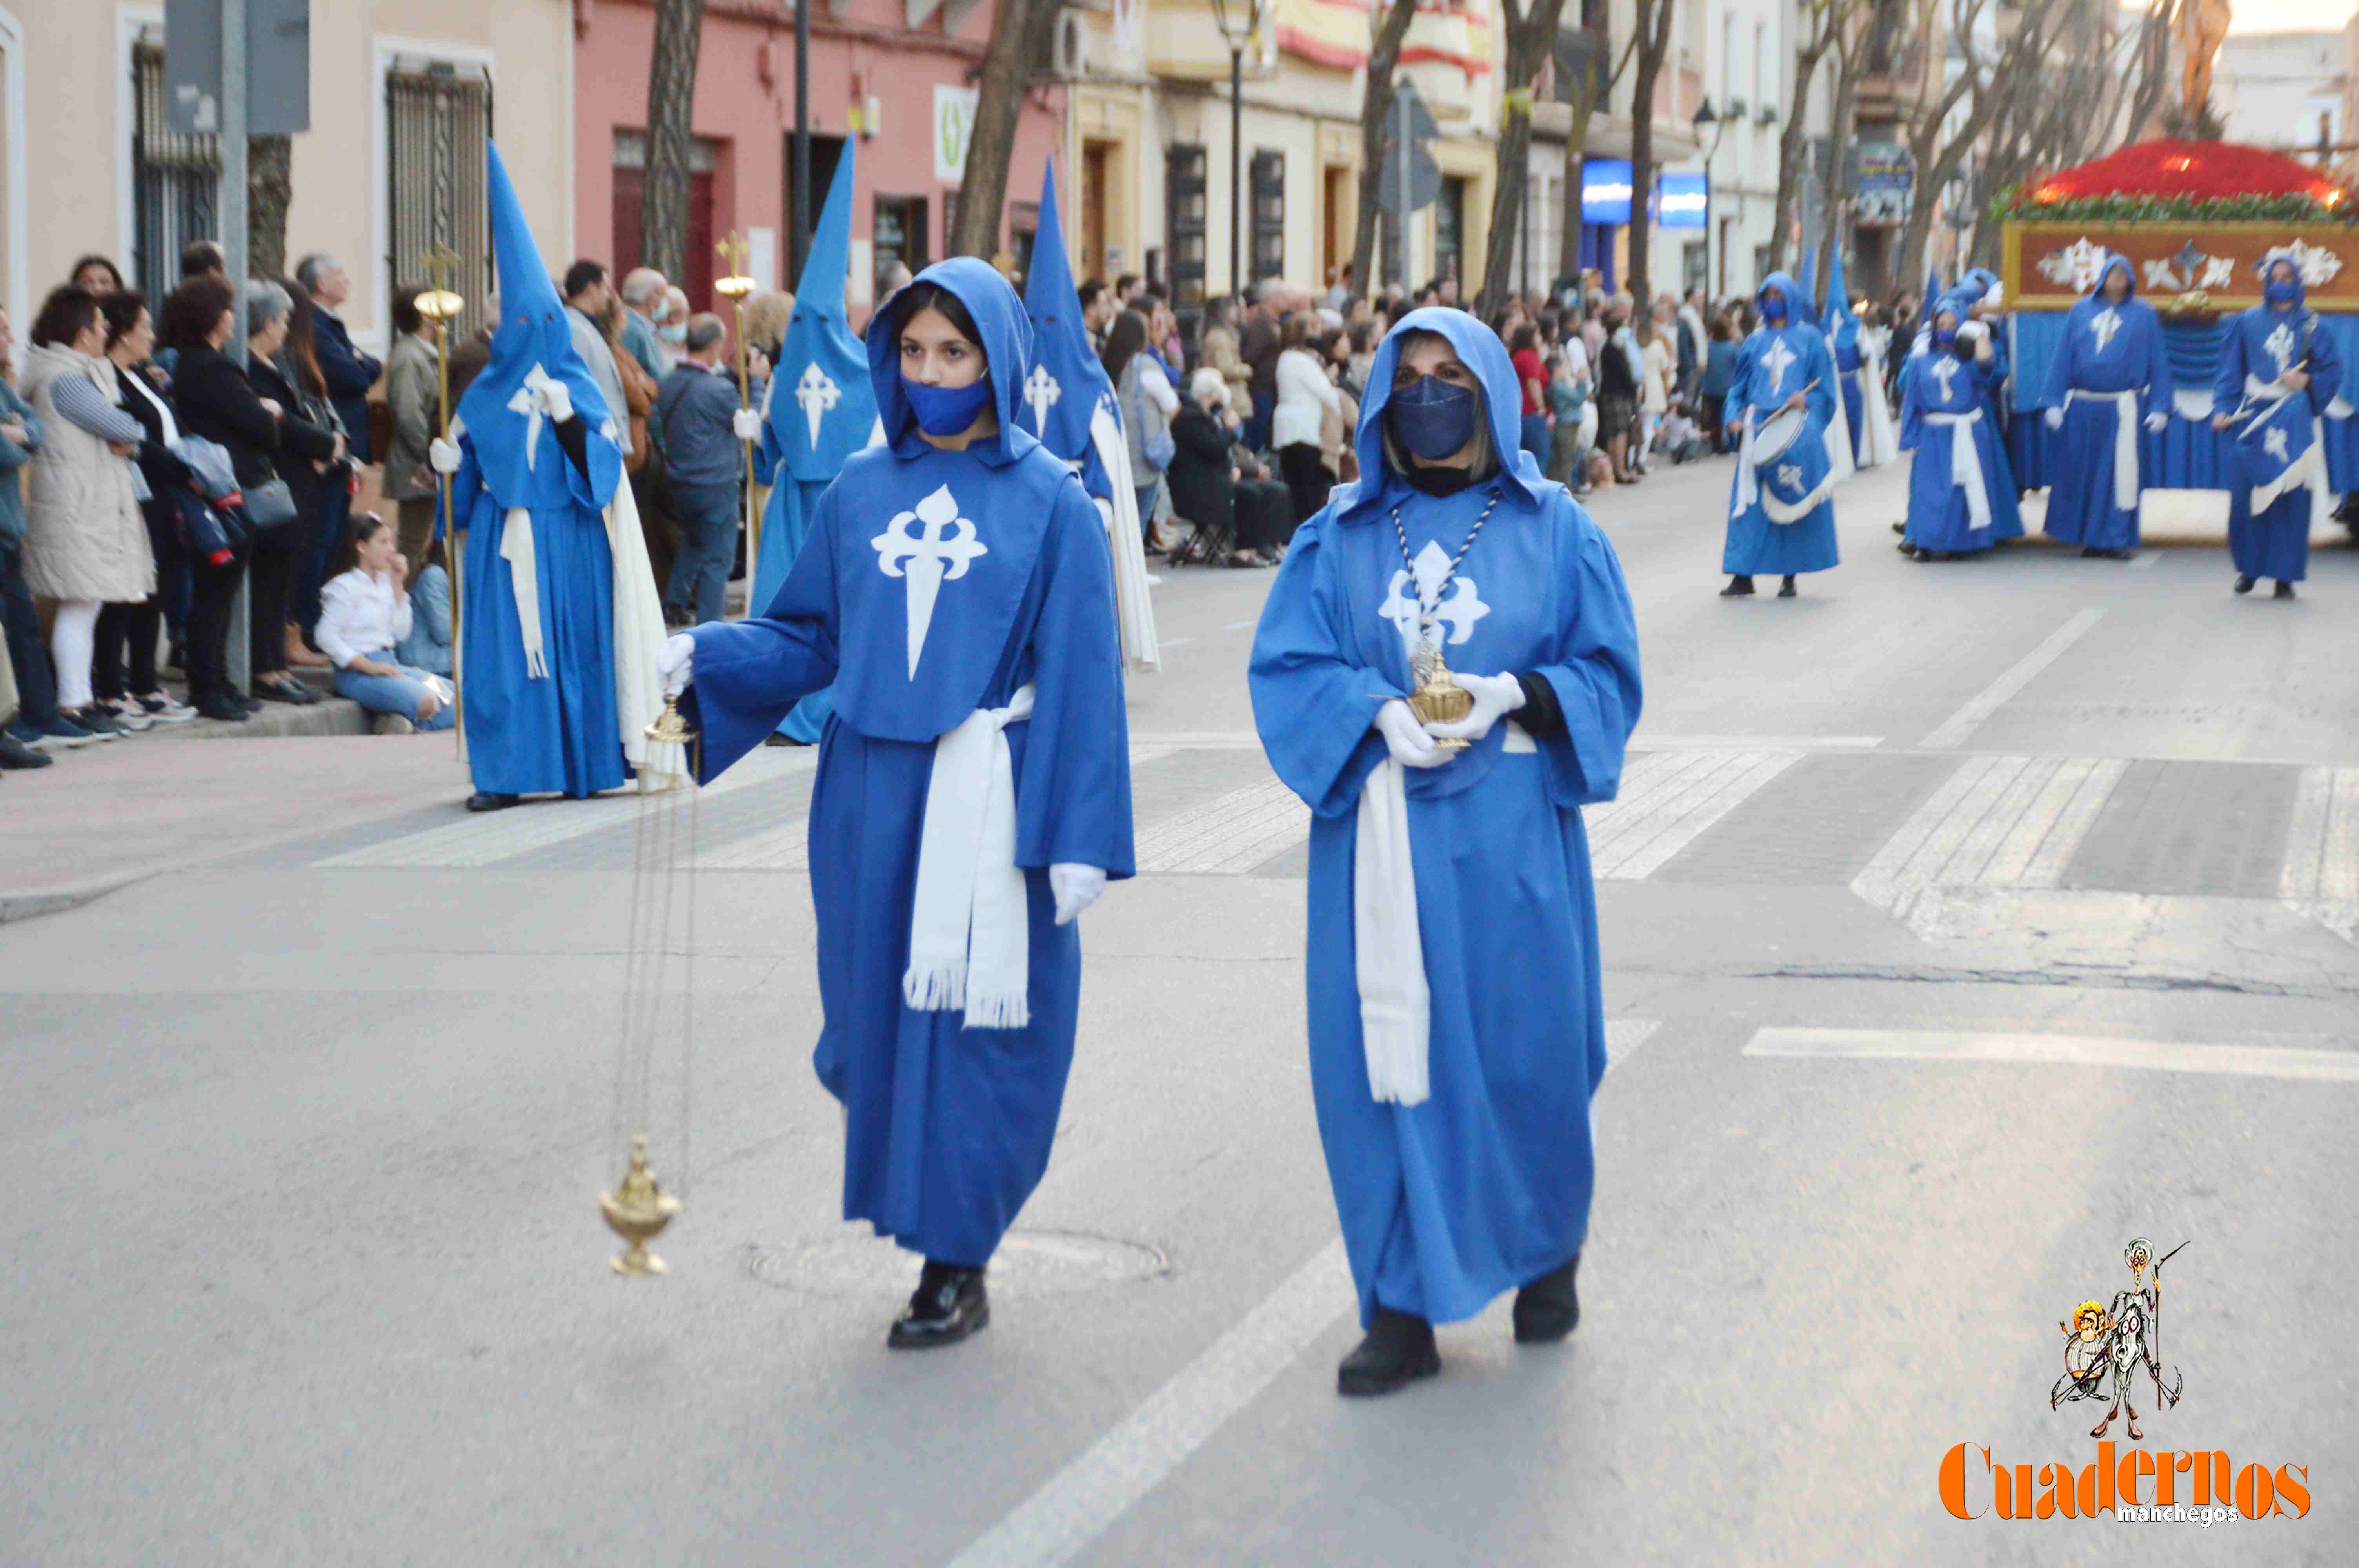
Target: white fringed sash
(1395, 1007)
(2125, 441)
(970, 935)
(1966, 463)
(524, 578)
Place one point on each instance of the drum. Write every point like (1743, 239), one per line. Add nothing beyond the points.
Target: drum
(1777, 435)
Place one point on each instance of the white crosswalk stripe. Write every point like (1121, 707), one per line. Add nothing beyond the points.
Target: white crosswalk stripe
(1998, 821)
(1668, 799)
(1228, 836)
(2316, 1065)
(2320, 878)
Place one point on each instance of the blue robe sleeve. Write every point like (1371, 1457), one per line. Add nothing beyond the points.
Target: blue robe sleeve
(1596, 677)
(1073, 799)
(1740, 385)
(2059, 364)
(748, 674)
(1314, 705)
(2228, 386)
(1822, 391)
(2160, 390)
(1912, 412)
(2325, 368)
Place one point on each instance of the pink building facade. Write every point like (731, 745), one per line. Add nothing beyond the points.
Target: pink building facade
(892, 76)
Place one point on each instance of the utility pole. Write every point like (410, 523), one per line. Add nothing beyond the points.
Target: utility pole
(232, 204)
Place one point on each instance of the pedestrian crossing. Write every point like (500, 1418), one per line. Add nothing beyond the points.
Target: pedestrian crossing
(1210, 807)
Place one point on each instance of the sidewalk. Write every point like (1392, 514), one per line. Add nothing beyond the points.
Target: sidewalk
(114, 813)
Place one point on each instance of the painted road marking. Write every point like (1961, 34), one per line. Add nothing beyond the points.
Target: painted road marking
(1668, 799)
(2146, 558)
(1078, 1503)
(1997, 821)
(1992, 698)
(1228, 834)
(2058, 1049)
(1756, 742)
(2320, 878)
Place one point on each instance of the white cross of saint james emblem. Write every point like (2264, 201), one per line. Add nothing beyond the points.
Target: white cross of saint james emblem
(940, 553)
(817, 394)
(1041, 394)
(2273, 443)
(1458, 612)
(2103, 325)
(1944, 369)
(530, 400)
(1777, 359)
(1790, 475)
(2279, 344)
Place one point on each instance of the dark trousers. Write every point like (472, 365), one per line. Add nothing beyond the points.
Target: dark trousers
(647, 489)
(1713, 407)
(277, 557)
(1307, 479)
(699, 585)
(136, 626)
(37, 685)
(1265, 515)
(330, 522)
(211, 591)
(1264, 406)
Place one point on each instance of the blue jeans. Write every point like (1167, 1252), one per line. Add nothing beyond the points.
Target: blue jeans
(392, 693)
(1265, 409)
(708, 525)
(36, 690)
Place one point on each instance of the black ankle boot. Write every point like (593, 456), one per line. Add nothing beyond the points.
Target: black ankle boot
(1548, 1309)
(2243, 585)
(947, 1305)
(1738, 586)
(2285, 590)
(1786, 588)
(1397, 1351)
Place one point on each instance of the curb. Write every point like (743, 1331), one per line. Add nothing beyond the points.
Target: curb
(20, 907)
(332, 716)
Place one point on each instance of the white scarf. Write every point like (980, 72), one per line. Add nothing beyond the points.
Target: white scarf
(1133, 607)
(1966, 463)
(2307, 472)
(639, 635)
(524, 577)
(2125, 441)
(1395, 1007)
(970, 933)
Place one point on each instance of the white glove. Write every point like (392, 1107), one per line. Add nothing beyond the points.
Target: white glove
(1410, 743)
(2055, 417)
(676, 664)
(1077, 887)
(444, 455)
(1971, 331)
(1495, 698)
(747, 424)
(2157, 421)
(557, 401)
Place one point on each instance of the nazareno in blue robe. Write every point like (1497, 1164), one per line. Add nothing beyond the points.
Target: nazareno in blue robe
(946, 1129)
(546, 726)
(1949, 387)
(2109, 350)
(1774, 366)
(2263, 343)
(1485, 1185)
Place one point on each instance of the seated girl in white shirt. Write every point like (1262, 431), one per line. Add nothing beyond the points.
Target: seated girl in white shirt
(363, 613)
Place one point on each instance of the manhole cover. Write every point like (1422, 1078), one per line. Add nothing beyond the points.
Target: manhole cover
(1028, 1263)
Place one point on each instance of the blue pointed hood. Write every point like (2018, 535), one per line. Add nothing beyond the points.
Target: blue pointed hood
(1976, 283)
(2285, 254)
(1807, 307)
(1797, 304)
(1480, 349)
(517, 451)
(822, 407)
(1065, 382)
(1006, 352)
(1837, 322)
(2115, 263)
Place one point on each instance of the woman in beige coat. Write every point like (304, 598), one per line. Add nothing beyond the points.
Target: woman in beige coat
(85, 543)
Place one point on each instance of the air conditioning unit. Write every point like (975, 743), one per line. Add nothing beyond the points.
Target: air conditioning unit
(1072, 62)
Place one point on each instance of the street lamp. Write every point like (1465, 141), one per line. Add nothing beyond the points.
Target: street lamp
(1706, 115)
(1238, 21)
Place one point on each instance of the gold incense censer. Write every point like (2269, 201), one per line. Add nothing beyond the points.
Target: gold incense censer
(1438, 699)
(637, 1211)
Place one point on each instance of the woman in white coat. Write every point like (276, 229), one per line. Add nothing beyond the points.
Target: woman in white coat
(1304, 395)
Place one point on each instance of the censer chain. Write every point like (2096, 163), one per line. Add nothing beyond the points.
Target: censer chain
(1425, 614)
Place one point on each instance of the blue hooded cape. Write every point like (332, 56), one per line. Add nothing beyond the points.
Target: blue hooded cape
(2109, 352)
(2262, 344)
(1778, 363)
(542, 723)
(822, 411)
(934, 583)
(1484, 1186)
(1946, 403)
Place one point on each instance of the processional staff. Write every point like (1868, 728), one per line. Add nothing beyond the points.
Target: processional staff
(442, 306)
(735, 287)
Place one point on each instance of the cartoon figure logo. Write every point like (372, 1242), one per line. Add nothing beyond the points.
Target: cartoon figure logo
(2115, 1344)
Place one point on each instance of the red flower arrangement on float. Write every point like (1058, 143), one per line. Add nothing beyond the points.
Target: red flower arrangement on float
(2167, 180)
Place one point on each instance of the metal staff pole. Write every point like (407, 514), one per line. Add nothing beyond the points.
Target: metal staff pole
(439, 305)
(735, 287)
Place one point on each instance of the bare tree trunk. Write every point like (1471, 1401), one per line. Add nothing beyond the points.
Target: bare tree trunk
(1586, 97)
(1838, 185)
(671, 103)
(1019, 34)
(1653, 34)
(1790, 145)
(269, 187)
(1375, 103)
(1529, 35)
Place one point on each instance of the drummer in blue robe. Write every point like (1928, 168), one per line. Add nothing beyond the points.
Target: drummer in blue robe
(535, 464)
(2110, 379)
(1456, 1022)
(2278, 371)
(973, 786)
(1781, 514)
(1956, 505)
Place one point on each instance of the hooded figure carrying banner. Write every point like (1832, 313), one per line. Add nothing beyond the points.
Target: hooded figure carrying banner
(2277, 373)
(974, 787)
(1456, 1016)
(561, 626)
(820, 411)
(1959, 503)
(1859, 366)
(1781, 514)
(2111, 379)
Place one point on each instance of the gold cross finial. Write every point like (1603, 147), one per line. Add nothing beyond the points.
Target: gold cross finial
(733, 284)
(437, 302)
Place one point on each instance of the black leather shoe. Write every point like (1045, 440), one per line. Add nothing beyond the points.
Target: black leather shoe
(483, 800)
(1738, 588)
(2285, 590)
(949, 1304)
(2244, 585)
(15, 754)
(1548, 1309)
(1397, 1351)
(1786, 588)
(226, 709)
(1900, 527)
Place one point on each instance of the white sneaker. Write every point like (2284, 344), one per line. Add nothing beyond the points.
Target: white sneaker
(129, 714)
(164, 710)
(393, 724)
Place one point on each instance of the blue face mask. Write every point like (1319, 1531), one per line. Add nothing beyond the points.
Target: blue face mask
(2281, 291)
(1773, 310)
(1947, 335)
(676, 334)
(1431, 418)
(947, 410)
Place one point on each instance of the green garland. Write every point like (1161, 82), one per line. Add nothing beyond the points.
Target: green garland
(2119, 209)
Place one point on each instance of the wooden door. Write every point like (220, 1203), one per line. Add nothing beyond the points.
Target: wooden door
(1093, 261)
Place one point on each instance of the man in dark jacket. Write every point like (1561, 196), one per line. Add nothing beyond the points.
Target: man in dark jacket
(704, 430)
(1258, 347)
(348, 372)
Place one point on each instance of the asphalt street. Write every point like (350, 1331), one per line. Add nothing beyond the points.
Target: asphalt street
(1961, 921)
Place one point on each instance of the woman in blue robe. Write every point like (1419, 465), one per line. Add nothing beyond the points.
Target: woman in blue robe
(1786, 365)
(1959, 500)
(2277, 350)
(1457, 1026)
(973, 786)
(2110, 380)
